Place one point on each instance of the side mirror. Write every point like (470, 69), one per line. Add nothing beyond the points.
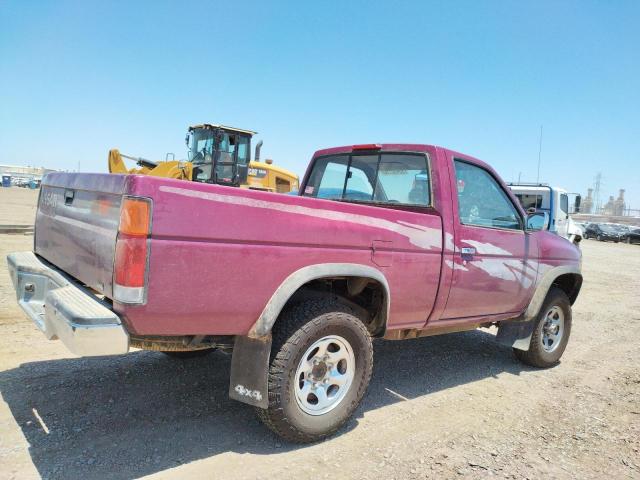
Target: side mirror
(537, 221)
(576, 204)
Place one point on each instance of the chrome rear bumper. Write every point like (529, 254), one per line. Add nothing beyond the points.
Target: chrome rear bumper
(64, 311)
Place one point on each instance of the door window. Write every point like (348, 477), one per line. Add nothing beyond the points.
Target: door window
(243, 150)
(564, 203)
(481, 199)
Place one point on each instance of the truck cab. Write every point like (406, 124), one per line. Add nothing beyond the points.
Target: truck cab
(541, 197)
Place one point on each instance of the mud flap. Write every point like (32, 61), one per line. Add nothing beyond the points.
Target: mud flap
(515, 334)
(250, 369)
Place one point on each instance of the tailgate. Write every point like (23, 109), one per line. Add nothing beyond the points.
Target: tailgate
(77, 224)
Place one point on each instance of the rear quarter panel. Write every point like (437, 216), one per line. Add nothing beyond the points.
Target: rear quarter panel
(219, 253)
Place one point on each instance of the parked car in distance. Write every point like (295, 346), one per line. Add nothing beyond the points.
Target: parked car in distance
(634, 235)
(394, 241)
(604, 232)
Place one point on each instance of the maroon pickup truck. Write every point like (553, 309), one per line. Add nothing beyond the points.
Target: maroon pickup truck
(393, 241)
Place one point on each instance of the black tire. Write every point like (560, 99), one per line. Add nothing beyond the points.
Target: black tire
(297, 329)
(183, 354)
(537, 356)
(599, 238)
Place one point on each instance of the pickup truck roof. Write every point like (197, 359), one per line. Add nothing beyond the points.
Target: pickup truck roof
(408, 147)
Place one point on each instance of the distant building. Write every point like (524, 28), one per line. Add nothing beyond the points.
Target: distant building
(587, 203)
(619, 205)
(608, 207)
(20, 173)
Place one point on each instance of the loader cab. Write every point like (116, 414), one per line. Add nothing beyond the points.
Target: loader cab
(219, 154)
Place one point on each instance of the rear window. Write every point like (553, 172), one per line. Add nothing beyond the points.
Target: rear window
(387, 178)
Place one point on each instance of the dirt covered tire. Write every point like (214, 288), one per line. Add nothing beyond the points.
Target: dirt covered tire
(550, 333)
(180, 355)
(319, 347)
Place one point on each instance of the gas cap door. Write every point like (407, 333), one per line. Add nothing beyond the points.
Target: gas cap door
(381, 253)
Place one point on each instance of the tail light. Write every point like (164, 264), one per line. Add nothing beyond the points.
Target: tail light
(132, 251)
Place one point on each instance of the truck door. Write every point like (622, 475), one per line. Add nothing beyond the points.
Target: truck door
(561, 215)
(494, 261)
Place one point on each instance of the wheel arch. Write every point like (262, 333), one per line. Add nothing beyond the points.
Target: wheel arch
(350, 281)
(569, 283)
(568, 278)
(517, 332)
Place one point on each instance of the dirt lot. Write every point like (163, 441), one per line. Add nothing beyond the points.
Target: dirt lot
(451, 406)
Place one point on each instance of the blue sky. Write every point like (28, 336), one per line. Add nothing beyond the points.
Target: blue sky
(78, 78)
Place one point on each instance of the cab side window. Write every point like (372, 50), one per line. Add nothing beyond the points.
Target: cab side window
(481, 199)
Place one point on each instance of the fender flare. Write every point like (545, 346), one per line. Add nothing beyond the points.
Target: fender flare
(248, 382)
(517, 332)
(297, 279)
(543, 287)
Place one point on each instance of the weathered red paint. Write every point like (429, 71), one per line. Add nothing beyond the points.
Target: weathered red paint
(217, 254)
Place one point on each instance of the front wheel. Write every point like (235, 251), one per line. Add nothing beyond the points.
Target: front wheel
(550, 333)
(599, 238)
(321, 363)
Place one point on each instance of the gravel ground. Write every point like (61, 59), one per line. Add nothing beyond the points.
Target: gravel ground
(453, 406)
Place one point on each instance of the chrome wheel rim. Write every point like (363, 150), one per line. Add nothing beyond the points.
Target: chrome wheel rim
(324, 375)
(552, 329)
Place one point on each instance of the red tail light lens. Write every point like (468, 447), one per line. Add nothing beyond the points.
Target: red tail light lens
(131, 261)
(131, 255)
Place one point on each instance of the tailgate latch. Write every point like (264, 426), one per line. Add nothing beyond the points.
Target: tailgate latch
(68, 197)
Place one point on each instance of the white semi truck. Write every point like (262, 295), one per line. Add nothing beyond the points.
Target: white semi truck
(555, 202)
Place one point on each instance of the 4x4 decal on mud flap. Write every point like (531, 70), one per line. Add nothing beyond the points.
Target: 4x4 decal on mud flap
(242, 390)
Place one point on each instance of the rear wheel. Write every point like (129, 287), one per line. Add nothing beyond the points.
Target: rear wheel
(321, 363)
(551, 332)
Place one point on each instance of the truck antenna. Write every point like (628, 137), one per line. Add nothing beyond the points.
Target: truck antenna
(539, 155)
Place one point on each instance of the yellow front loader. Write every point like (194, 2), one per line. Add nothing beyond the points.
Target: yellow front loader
(218, 154)
(168, 169)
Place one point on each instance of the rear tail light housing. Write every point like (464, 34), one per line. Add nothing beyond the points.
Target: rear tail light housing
(131, 263)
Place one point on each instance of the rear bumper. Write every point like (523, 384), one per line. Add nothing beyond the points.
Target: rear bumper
(62, 310)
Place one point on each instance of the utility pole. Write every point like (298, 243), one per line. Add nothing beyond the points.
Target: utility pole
(539, 155)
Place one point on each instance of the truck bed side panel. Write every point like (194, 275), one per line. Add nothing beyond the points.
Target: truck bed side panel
(219, 253)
